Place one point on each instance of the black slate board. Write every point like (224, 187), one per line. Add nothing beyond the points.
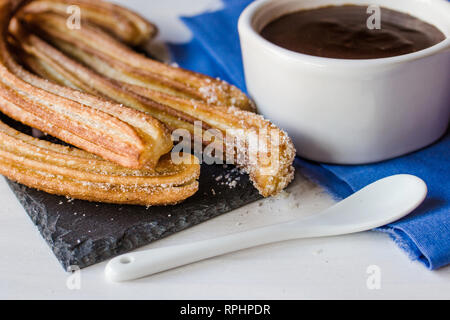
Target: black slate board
(82, 233)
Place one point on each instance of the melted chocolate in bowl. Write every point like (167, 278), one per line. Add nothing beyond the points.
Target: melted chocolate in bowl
(341, 32)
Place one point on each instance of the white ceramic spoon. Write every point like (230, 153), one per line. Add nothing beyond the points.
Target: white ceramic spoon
(378, 204)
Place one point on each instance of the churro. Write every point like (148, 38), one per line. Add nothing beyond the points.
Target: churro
(105, 54)
(92, 61)
(78, 174)
(114, 132)
(125, 25)
(270, 167)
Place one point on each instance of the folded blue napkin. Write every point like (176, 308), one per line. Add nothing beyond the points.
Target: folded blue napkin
(425, 234)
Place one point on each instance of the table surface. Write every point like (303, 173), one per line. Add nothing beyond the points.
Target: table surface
(327, 268)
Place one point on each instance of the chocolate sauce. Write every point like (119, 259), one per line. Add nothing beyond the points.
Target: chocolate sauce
(342, 32)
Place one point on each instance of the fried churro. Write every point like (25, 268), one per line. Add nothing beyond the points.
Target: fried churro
(117, 133)
(270, 168)
(110, 131)
(90, 65)
(110, 69)
(125, 25)
(81, 175)
(103, 53)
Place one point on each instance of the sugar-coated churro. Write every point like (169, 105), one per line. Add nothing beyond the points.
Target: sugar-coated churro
(93, 67)
(120, 22)
(78, 174)
(102, 52)
(128, 137)
(234, 124)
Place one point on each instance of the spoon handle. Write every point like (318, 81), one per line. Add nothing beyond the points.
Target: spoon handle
(139, 264)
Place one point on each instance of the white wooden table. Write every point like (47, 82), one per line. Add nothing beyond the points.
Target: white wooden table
(326, 268)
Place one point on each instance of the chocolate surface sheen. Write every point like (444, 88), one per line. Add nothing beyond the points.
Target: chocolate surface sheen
(342, 32)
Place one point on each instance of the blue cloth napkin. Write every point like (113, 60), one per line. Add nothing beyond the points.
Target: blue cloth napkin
(425, 234)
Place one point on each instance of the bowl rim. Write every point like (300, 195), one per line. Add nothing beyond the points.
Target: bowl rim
(245, 25)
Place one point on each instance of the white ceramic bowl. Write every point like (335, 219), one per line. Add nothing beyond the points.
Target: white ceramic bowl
(350, 111)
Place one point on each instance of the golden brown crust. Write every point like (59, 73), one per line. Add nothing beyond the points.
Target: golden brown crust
(128, 137)
(136, 68)
(172, 95)
(71, 172)
(177, 112)
(120, 22)
(263, 150)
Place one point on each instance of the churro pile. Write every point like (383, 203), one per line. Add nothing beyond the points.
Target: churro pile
(118, 109)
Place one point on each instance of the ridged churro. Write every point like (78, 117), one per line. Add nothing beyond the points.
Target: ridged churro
(114, 132)
(270, 169)
(111, 131)
(123, 24)
(78, 174)
(93, 67)
(103, 53)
